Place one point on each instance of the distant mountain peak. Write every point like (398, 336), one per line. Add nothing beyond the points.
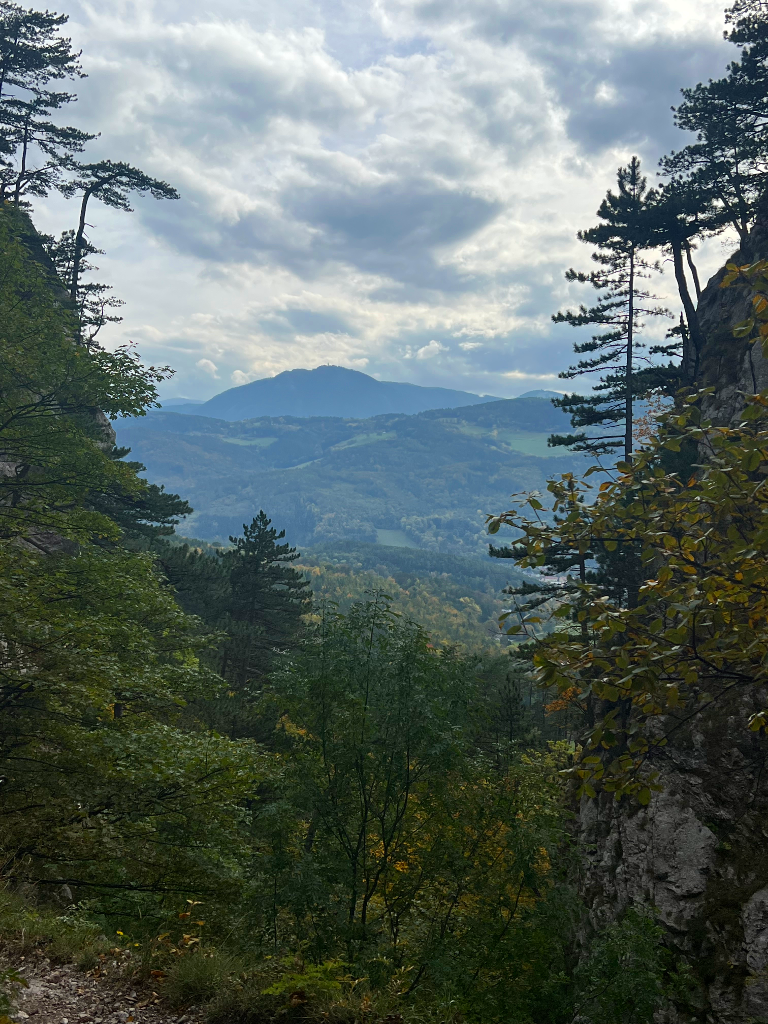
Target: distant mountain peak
(330, 390)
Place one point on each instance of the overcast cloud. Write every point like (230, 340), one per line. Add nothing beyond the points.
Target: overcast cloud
(393, 186)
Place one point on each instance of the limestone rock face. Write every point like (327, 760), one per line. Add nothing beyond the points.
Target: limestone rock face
(699, 852)
(699, 855)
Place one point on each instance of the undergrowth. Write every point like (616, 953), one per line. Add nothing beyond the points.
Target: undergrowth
(625, 975)
(65, 935)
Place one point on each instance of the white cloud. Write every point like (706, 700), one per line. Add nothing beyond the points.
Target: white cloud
(360, 180)
(606, 93)
(238, 377)
(518, 375)
(431, 350)
(207, 367)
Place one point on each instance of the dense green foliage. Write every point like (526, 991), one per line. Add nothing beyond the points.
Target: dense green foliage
(97, 658)
(450, 612)
(256, 603)
(695, 632)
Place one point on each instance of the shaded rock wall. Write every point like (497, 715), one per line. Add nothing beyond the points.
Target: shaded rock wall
(699, 855)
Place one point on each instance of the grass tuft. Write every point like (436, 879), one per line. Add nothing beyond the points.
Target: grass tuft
(199, 977)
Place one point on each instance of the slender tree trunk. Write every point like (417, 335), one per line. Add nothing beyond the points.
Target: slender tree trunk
(630, 341)
(585, 638)
(684, 337)
(77, 256)
(691, 351)
(23, 168)
(3, 68)
(743, 208)
(694, 271)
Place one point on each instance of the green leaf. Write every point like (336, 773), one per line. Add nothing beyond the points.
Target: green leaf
(744, 329)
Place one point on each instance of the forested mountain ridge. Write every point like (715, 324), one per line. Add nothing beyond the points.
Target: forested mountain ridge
(330, 391)
(430, 476)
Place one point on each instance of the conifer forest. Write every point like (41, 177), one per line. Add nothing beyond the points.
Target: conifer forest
(318, 739)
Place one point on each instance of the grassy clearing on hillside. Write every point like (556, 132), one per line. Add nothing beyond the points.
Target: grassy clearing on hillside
(259, 442)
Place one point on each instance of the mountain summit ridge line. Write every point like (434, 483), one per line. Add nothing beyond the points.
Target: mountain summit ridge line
(331, 391)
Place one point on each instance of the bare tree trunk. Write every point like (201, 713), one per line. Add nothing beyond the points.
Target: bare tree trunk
(691, 350)
(77, 255)
(628, 379)
(694, 271)
(23, 169)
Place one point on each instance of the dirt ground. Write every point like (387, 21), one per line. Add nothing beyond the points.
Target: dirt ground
(64, 995)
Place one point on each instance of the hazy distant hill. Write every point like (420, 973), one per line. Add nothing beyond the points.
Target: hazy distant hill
(422, 481)
(330, 391)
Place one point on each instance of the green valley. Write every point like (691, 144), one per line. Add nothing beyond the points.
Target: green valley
(424, 480)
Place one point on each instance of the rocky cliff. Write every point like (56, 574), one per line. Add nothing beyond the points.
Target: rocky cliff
(732, 367)
(699, 852)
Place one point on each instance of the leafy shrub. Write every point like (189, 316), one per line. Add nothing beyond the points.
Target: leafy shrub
(621, 980)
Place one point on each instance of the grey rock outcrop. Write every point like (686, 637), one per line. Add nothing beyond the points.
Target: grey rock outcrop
(731, 366)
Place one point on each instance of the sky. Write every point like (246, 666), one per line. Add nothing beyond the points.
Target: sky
(393, 185)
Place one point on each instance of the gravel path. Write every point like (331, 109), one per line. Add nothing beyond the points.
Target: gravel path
(65, 995)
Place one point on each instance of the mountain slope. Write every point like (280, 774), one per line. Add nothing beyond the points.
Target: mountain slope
(330, 391)
(424, 480)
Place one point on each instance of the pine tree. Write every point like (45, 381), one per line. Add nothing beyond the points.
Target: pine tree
(39, 146)
(677, 213)
(31, 51)
(268, 598)
(620, 240)
(111, 183)
(93, 302)
(726, 165)
(143, 515)
(37, 155)
(32, 148)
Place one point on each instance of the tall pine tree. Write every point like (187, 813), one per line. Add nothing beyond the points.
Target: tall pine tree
(620, 239)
